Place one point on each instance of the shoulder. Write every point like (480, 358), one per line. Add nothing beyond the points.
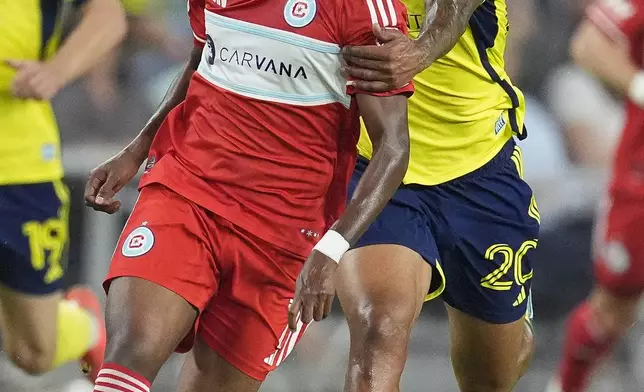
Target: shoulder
(361, 15)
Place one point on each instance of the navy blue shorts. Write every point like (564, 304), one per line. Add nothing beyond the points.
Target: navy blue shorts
(477, 231)
(33, 236)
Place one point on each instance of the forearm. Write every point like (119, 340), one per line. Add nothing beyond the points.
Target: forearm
(383, 176)
(445, 23)
(174, 96)
(149, 30)
(102, 27)
(602, 57)
(385, 171)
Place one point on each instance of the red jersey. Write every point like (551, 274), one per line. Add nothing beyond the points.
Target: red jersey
(267, 134)
(623, 21)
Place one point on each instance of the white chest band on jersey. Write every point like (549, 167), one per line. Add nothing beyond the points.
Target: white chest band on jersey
(333, 245)
(271, 64)
(636, 89)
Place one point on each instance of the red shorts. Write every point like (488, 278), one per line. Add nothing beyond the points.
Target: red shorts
(619, 249)
(241, 285)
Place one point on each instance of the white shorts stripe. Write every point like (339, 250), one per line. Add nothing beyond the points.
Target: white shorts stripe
(383, 13)
(294, 338)
(280, 345)
(283, 351)
(113, 381)
(116, 373)
(372, 12)
(290, 343)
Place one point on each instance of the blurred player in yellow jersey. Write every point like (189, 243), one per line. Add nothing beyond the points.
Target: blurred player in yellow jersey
(42, 327)
(463, 224)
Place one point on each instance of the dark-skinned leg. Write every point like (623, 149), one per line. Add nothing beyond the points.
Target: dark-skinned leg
(206, 371)
(488, 357)
(381, 289)
(145, 323)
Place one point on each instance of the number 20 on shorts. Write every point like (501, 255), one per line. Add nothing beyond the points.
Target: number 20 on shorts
(499, 279)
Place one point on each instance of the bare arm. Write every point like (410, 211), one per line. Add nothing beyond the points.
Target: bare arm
(608, 60)
(398, 59)
(110, 177)
(101, 28)
(174, 96)
(386, 122)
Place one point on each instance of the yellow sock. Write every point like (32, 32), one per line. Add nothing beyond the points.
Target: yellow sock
(76, 333)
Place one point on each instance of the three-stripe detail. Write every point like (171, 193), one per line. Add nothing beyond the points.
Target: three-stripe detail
(286, 344)
(533, 209)
(383, 12)
(517, 158)
(522, 297)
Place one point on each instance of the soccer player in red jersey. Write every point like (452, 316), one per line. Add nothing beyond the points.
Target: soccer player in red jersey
(248, 171)
(610, 44)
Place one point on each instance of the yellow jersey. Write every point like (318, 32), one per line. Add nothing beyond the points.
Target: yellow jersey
(136, 7)
(29, 140)
(464, 108)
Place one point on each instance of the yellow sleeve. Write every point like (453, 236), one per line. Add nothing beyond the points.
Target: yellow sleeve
(136, 7)
(6, 76)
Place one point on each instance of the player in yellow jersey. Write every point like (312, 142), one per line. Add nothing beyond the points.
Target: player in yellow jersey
(462, 225)
(42, 327)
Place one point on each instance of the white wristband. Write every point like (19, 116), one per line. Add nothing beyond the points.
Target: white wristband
(333, 245)
(636, 89)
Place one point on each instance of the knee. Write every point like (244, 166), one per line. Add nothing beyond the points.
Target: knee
(498, 381)
(135, 336)
(528, 347)
(378, 349)
(142, 333)
(614, 315)
(505, 378)
(379, 334)
(129, 343)
(490, 385)
(615, 324)
(381, 329)
(32, 358)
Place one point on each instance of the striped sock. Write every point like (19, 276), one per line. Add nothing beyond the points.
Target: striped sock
(117, 378)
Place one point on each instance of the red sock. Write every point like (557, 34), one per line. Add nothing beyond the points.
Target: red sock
(117, 378)
(584, 347)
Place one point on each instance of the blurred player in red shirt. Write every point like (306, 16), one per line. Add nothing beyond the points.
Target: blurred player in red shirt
(248, 172)
(610, 45)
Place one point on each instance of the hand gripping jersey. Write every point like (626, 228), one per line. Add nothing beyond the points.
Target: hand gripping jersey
(266, 136)
(623, 21)
(465, 107)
